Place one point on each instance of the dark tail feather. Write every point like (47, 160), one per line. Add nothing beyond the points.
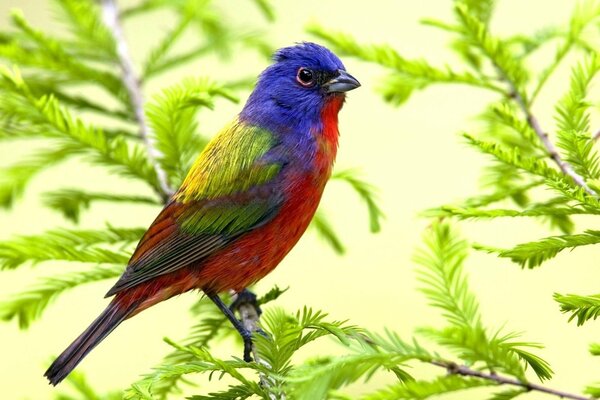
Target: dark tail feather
(110, 318)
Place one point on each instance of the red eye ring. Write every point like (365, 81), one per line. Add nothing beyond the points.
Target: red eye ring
(305, 77)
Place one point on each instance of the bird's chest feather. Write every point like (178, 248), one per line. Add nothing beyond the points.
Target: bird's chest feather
(306, 185)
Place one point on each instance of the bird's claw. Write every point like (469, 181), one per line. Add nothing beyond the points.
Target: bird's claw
(245, 297)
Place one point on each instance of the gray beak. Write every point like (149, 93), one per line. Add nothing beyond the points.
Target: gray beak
(344, 82)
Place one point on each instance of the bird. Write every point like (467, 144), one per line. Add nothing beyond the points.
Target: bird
(245, 202)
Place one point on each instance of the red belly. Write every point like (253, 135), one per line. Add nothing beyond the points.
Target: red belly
(257, 253)
(244, 261)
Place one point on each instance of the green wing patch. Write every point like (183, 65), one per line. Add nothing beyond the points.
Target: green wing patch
(230, 164)
(227, 219)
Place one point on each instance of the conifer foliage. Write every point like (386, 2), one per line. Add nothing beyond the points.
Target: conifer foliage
(78, 96)
(538, 170)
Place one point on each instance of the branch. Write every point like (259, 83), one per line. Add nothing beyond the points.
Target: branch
(564, 166)
(455, 369)
(513, 74)
(110, 16)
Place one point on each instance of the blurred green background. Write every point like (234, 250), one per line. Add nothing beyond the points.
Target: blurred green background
(412, 154)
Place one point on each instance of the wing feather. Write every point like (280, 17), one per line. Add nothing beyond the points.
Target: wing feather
(202, 217)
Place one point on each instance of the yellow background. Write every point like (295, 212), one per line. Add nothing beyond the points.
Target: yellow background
(412, 154)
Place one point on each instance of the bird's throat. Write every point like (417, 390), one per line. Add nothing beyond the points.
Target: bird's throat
(329, 119)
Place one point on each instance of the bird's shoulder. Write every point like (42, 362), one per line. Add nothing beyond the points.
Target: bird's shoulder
(236, 160)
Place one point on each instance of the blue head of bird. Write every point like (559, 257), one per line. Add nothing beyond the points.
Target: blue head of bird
(291, 93)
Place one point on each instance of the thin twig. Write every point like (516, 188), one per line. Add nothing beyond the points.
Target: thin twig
(110, 16)
(463, 370)
(596, 135)
(564, 166)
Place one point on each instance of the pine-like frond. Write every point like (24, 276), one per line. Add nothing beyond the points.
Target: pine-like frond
(444, 282)
(572, 110)
(204, 362)
(480, 201)
(84, 389)
(576, 193)
(533, 254)
(585, 12)
(116, 153)
(288, 333)
(14, 179)
(421, 389)
(50, 54)
(477, 213)
(27, 306)
(446, 287)
(366, 192)
(317, 378)
(237, 392)
(211, 326)
(477, 35)
(68, 245)
(508, 394)
(496, 352)
(557, 211)
(203, 16)
(71, 202)
(482, 9)
(527, 44)
(584, 308)
(325, 230)
(514, 157)
(573, 121)
(172, 117)
(503, 124)
(160, 52)
(266, 8)
(408, 76)
(503, 177)
(593, 390)
(392, 343)
(83, 19)
(201, 362)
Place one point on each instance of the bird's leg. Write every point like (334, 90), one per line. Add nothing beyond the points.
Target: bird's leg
(246, 304)
(244, 333)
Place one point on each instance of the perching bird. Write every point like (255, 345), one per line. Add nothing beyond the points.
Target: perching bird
(245, 202)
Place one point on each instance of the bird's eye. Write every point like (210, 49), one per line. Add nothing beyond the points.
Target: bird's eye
(305, 77)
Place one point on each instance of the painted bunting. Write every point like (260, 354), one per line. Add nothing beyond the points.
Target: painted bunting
(244, 204)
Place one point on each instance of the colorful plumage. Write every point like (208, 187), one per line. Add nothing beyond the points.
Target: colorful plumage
(246, 201)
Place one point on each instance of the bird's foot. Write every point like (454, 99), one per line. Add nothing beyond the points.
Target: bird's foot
(245, 297)
(248, 347)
